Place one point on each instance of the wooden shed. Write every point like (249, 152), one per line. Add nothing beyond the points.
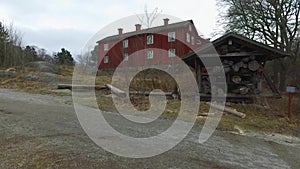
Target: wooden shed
(242, 60)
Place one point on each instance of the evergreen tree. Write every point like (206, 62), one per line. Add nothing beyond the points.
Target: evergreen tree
(64, 57)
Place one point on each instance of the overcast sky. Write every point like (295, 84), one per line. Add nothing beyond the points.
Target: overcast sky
(54, 24)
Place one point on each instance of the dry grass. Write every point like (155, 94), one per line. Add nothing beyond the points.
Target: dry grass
(23, 85)
(258, 118)
(20, 82)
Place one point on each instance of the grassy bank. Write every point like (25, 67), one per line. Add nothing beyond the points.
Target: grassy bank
(270, 118)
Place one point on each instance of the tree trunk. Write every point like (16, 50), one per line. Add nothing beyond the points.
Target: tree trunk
(275, 74)
(282, 83)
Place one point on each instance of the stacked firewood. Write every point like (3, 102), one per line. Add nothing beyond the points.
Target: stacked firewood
(242, 76)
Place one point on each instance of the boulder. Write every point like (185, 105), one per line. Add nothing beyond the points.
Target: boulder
(42, 66)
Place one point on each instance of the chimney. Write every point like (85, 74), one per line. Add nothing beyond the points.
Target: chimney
(166, 21)
(138, 27)
(120, 31)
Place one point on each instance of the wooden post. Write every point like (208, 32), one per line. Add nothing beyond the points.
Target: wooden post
(290, 90)
(198, 73)
(290, 95)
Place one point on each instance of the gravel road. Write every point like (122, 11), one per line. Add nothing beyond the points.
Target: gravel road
(40, 131)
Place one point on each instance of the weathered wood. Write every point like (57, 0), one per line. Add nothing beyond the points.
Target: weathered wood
(271, 85)
(198, 74)
(227, 110)
(83, 87)
(116, 90)
(152, 93)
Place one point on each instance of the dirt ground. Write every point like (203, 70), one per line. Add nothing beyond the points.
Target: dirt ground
(42, 131)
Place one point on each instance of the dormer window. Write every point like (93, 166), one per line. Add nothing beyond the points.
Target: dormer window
(150, 39)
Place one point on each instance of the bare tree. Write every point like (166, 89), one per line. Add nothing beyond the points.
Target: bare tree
(148, 18)
(272, 22)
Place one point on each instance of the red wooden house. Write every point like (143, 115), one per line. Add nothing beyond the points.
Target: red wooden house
(157, 45)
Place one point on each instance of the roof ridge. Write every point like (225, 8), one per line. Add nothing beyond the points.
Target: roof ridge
(148, 30)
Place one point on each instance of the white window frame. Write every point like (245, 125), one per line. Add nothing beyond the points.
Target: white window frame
(149, 54)
(125, 56)
(106, 47)
(172, 52)
(125, 43)
(188, 37)
(190, 28)
(150, 39)
(193, 40)
(199, 42)
(171, 36)
(106, 59)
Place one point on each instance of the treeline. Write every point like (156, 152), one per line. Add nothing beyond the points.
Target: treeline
(11, 51)
(273, 22)
(13, 54)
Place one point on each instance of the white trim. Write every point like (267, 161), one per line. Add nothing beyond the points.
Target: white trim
(106, 47)
(125, 43)
(125, 58)
(149, 54)
(188, 37)
(171, 36)
(172, 52)
(106, 59)
(150, 39)
(193, 40)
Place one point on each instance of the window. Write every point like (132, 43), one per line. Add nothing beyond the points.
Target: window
(199, 42)
(150, 54)
(125, 43)
(190, 28)
(188, 37)
(125, 56)
(193, 40)
(171, 36)
(149, 39)
(172, 52)
(106, 59)
(106, 47)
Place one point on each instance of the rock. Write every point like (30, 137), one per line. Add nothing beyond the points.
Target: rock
(32, 77)
(43, 67)
(12, 70)
(8, 75)
(66, 91)
(44, 77)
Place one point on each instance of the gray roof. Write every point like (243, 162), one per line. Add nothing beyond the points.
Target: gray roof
(273, 53)
(251, 42)
(157, 29)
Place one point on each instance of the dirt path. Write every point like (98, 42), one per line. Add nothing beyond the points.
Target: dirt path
(38, 131)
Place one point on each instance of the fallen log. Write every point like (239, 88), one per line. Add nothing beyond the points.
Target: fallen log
(116, 90)
(82, 87)
(152, 93)
(228, 110)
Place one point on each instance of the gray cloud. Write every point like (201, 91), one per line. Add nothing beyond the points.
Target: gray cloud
(70, 23)
(54, 40)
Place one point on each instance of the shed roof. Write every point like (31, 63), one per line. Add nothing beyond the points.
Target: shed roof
(268, 51)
